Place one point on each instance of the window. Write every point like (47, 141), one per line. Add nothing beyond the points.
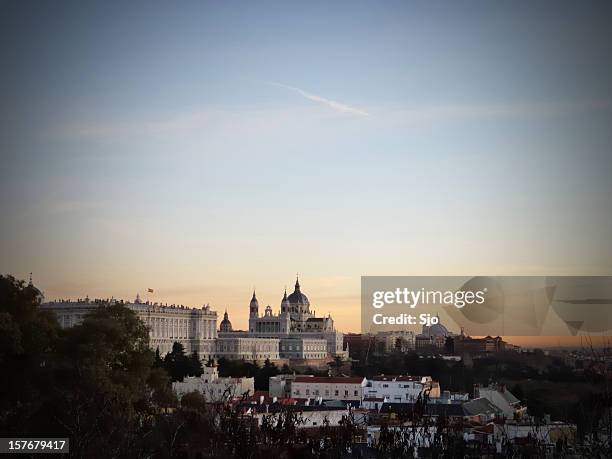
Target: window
(336, 393)
(307, 391)
(356, 393)
(346, 392)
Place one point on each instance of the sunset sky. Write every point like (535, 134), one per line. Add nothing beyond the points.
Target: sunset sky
(204, 149)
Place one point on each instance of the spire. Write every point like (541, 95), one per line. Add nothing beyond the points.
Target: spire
(297, 282)
(30, 283)
(254, 306)
(285, 295)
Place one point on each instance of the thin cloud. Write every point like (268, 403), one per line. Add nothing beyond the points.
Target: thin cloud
(337, 106)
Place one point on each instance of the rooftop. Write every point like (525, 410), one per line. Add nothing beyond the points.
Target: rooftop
(480, 406)
(329, 379)
(431, 409)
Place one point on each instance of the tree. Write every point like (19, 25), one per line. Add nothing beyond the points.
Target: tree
(286, 370)
(196, 368)
(176, 363)
(101, 396)
(337, 365)
(28, 337)
(158, 362)
(162, 395)
(262, 376)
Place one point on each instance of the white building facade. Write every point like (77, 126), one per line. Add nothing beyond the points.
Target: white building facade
(400, 389)
(296, 321)
(241, 346)
(195, 329)
(328, 388)
(213, 387)
(280, 385)
(294, 333)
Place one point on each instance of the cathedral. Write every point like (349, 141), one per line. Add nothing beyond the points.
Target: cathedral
(294, 333)
(296, 326)
(294, 316)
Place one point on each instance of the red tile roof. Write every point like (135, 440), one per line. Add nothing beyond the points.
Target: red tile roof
(397, 378)
(328, 380)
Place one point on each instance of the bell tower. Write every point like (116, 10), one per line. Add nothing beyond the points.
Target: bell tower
(254, 307)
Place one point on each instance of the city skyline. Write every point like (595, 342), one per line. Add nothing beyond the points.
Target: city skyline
(239, 316)
(206, 149)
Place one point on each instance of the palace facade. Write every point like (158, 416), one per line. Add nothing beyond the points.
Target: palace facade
(194, 328)
(294, 333)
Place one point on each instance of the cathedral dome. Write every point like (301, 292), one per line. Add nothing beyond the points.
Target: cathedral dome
(297, 297)
(226, 325)
(438, 330)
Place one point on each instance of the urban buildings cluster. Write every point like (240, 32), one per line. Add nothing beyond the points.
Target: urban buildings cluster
(486, 415)
(295, 332)
(435, 338)
(489, 415)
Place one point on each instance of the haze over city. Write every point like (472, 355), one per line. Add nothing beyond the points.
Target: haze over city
(206, 150)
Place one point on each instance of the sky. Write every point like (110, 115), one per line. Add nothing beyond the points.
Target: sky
(204, 149)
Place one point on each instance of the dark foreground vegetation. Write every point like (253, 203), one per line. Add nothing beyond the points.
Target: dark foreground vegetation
(99, 384)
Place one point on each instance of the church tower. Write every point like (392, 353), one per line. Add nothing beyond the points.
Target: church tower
(285, 304)
(254, 307)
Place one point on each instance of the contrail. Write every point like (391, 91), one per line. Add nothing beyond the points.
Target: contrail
(337, 106)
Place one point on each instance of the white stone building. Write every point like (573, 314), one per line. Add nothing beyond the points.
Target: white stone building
(242, 346)
(510, 406)
(280, 385)
(311, 416)
(295, 333)
(402, 340)
(328, 388)
(213, 387)
(302, 347)
(194, 328)
(296, 320)
(400, 389)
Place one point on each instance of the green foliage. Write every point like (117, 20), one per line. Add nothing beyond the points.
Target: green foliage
(195, 363)
(28, 338)
(239, 368)
(162, 395)
(178, 365)
(89, 382)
